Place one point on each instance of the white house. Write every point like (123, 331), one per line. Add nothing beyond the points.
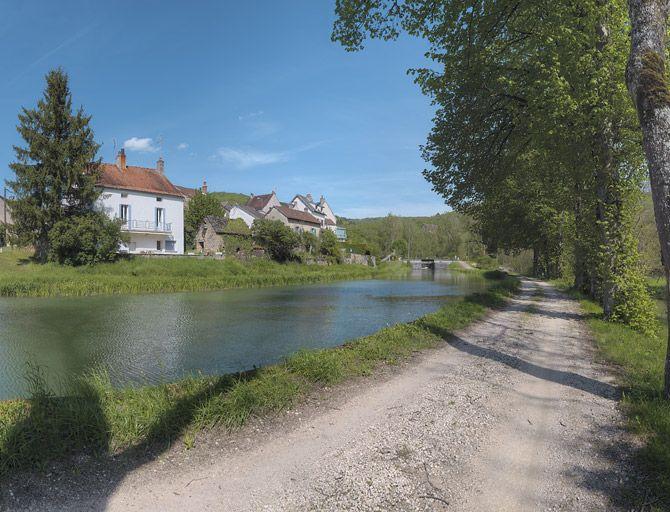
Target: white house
(322, 211)
(151, 207)
(246, 213)
(295, 219)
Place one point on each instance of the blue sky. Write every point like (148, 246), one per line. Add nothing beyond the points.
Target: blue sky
(252, 96)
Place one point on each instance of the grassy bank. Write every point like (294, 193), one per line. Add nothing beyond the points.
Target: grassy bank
(95, 417)
(21, 278)
(640, 360)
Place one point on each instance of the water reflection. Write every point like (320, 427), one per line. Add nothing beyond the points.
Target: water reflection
(149, 338)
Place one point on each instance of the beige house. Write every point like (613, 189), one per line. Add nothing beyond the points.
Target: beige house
(218, 234)
(295, 219)
(263, 203)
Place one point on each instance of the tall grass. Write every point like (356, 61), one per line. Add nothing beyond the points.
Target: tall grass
(19, 277)
(97, 418)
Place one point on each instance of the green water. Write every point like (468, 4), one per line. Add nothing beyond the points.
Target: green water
(153, 338)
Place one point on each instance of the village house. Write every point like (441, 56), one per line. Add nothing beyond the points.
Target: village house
(243, 212)
(221, 235)
(322, 211)
(150, 206)
(295, 219)
(263, 203)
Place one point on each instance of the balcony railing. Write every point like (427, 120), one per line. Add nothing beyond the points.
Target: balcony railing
(147, 225)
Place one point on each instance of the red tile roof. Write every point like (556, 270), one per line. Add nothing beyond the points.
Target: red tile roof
(186, 191)
(259, 202)
(142, 179)
(330, 222)
(292, 214)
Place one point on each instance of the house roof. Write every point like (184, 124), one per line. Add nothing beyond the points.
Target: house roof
(259, 202)
(223, 226)
(142, 179)
(329, 222)
(248, 209)
(314, 208)
(293, 214)
(186, 191)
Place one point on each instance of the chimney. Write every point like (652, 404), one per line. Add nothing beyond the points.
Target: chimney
(204, 187)
(309, 198)
(160, 165)
(121, 159)
(322, 199)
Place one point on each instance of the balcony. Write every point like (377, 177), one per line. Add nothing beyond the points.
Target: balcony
(147, 226)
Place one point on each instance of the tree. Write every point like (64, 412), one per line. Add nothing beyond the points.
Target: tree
(56, 171)
(277, 239)
(310, 242)
(647, 82)
(85, 239)
(400, 247)
(200, 206)
(329, 245)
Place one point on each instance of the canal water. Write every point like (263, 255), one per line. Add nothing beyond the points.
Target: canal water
(155, 338)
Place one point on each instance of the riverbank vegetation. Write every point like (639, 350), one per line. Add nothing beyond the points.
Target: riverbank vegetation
(96, 418)
(20, 277)
(640, 360)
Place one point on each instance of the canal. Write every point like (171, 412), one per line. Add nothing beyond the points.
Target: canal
(155, 338)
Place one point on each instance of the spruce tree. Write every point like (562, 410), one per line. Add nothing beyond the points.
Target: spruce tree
(56, 171)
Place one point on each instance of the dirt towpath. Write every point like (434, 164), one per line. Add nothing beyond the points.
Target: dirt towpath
(512, 414)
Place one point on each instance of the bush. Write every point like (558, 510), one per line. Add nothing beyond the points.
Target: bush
(85, 239)
(276, 238)
(329, 244)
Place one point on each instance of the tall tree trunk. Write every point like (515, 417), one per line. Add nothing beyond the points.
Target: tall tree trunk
(648, 86)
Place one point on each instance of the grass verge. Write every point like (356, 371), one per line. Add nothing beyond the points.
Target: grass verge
(97, 418)
(640, 361)
(19, 277)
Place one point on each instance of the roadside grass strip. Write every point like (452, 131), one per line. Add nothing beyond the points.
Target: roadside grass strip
(94, 417)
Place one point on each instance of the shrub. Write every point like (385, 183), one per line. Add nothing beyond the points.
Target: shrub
(85, 239)
(329, 244)
(276, 238)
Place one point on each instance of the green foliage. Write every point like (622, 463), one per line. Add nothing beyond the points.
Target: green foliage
(200, 206)
(535, 136)
(440, 236)
(94, 417)
(310, 242)
(4, 235)
(56, 171)
(277, 239)
(230, 198)
(400, 247)
(328, 244)
(85, 239)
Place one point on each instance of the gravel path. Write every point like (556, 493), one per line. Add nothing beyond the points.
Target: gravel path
(513, 414)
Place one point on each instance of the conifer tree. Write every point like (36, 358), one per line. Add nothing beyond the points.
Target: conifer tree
(55, 171)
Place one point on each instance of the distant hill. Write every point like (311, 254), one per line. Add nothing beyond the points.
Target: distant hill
(443, 235)
(230, 197)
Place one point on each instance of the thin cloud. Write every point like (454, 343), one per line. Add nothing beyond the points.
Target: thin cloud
(248, 158)
(141, 145)
(250, 115)
(182, 146)
(67, 42)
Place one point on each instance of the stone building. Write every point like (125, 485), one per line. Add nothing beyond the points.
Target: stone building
(218, 234)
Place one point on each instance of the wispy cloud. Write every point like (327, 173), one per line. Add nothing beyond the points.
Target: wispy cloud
(247, 158)
(250, 115)
(182, 146)
(141, 144)
(67, 42)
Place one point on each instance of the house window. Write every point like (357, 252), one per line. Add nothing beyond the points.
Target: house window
(169, 245)
(124, 212)
(124, 194)
(159, 199)
(314, 231)
(160, 217)
(158, 245)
